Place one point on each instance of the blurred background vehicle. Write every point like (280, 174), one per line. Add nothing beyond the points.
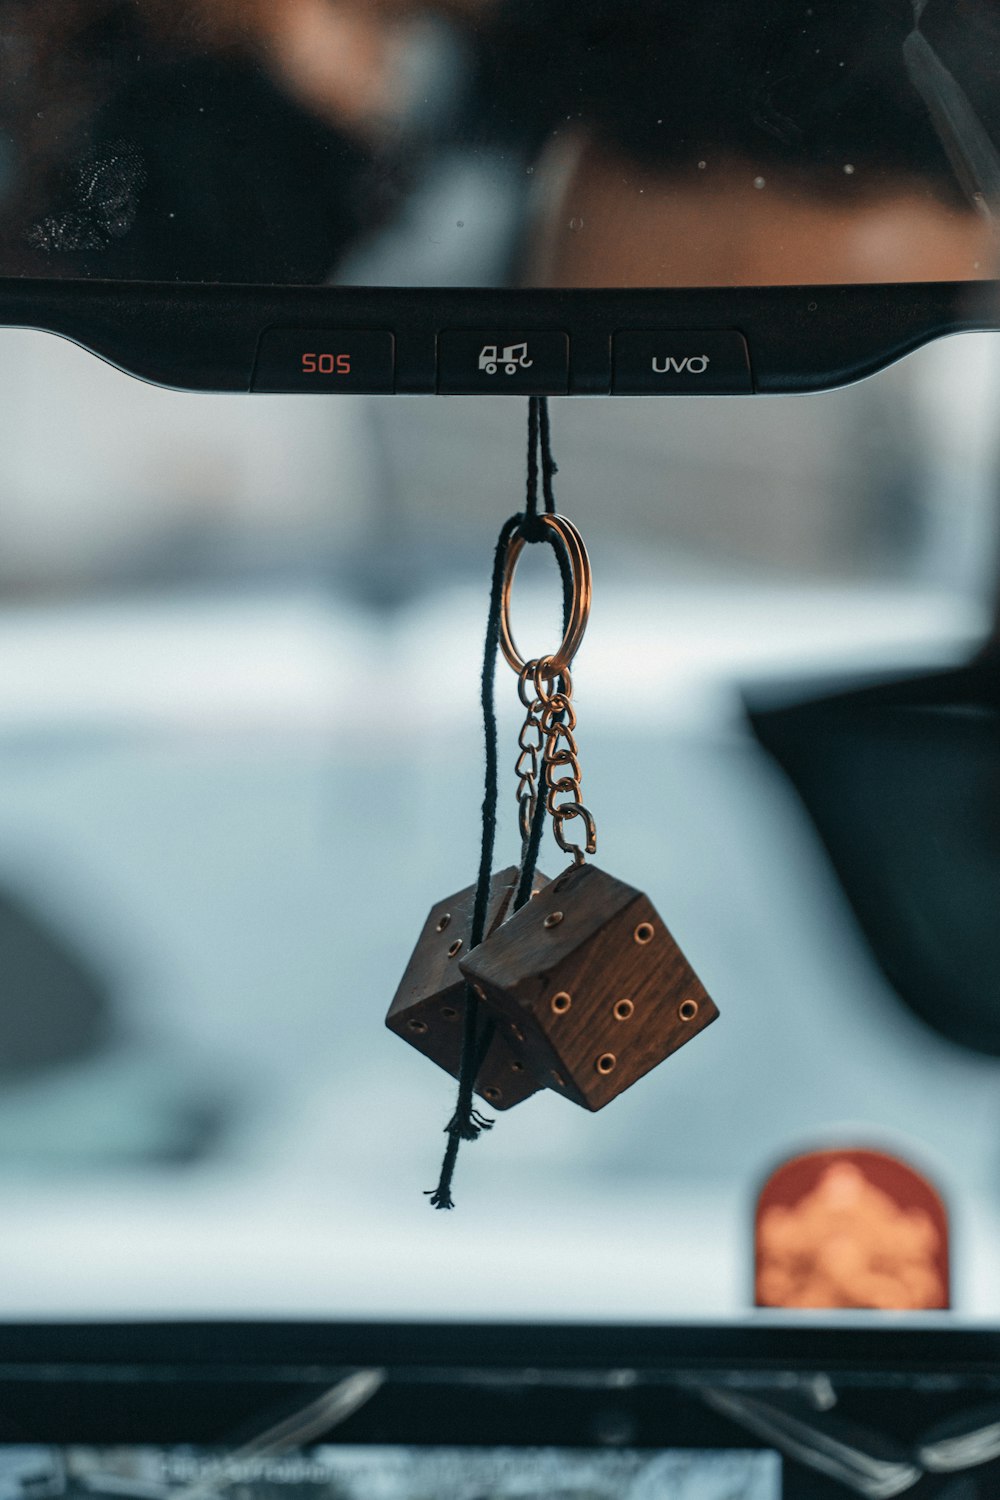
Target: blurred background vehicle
(240, 756)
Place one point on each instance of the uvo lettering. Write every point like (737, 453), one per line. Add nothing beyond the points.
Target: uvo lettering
(326, 364)
(692, 365)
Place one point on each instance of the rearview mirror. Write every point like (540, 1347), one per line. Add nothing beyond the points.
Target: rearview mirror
(500, 196)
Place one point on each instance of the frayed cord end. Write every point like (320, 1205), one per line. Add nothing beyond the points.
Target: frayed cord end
(466, 1127)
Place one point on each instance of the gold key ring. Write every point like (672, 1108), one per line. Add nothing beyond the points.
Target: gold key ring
(582, 592)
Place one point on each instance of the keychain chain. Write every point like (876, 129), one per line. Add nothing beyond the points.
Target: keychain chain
(548, 732)
(563, 776)
(531, 743)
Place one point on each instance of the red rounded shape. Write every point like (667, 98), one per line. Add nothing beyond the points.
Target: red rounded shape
(851, 1229)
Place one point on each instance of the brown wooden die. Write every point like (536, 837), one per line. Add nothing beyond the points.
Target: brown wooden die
(429, 1008)
(590, 986)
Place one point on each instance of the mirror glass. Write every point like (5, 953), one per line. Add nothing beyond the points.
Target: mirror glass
(500, 143)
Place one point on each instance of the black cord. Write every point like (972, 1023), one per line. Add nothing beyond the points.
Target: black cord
(466, 1124)
(549, 466)
(540, 438)
(533, 843)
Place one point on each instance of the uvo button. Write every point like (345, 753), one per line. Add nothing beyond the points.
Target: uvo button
(503, 363)
(681, 361)
(324, 359)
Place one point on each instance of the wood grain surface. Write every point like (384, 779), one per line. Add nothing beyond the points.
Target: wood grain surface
(428, 1010)
(590, 986)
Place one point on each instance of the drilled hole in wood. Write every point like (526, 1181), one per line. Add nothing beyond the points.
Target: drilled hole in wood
(688, 1010)
(623, 1010)
(561, 1003)
(420, 1027)
(517, 1067)
(449, 1012)
(607, 1063)
(456, 947)
(494, 1094)
(444, 921)
(644, 932)
(553, 919)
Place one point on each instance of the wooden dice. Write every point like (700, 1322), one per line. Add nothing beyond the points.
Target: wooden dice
(589, 986)
(429, 1008)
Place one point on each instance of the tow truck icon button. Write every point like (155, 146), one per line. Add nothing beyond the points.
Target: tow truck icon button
(510, 359)
(502, 363)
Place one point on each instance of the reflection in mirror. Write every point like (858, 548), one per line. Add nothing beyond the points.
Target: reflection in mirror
(454, 143)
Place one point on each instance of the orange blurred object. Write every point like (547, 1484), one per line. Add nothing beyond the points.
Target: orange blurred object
(344, 60)
(851, 1229)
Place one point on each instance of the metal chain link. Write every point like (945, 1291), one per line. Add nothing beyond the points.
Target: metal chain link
(549, 730)
(531, 742)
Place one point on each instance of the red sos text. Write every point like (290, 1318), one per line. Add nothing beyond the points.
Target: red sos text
(326, 364)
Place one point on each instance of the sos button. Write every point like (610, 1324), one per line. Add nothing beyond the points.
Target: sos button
(327, 360)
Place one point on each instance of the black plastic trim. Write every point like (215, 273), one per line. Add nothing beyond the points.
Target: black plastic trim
(205, 338)
(506, 1384)
(928, 1344)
